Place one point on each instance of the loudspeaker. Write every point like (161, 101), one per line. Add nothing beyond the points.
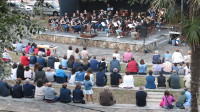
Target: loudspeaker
(143, 32)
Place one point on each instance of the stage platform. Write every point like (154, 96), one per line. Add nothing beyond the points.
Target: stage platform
(152, 41)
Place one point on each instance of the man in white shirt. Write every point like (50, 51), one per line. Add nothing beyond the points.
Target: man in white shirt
(187, 80)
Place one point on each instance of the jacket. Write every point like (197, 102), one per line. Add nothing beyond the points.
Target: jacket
(76, 65)
(161, 81)
(65, 95)
(61, 73)
(79, 76)
(41, 61)
(106, 98)
(40, 75)
(20, 73)
(28, 90)
(17, 91)
(94, 65)
(33, 60)
(4, 89)
(87, 85)
(141, 98)
(101, 78)
(174, 81)
(77, 95)
(115, 64)
(25, 60)
(132, 66)
(150, 82)
(50, 62)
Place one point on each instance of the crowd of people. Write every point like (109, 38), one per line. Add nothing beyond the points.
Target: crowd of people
(109, 21)
(87, 71)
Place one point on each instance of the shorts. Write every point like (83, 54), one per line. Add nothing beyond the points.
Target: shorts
(88, 92)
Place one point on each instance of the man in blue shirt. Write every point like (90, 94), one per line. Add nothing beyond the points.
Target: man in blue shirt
(80, 75)
(20, 46)
(28, 89)
(4, 88)
(61, 76)
(94, 64)
(41, 60)
(189, 97)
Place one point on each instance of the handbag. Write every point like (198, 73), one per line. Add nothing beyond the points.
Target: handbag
(170, 106)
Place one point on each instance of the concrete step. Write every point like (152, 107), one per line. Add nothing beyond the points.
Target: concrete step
(153, 100)
(155, 96)
(155, 93)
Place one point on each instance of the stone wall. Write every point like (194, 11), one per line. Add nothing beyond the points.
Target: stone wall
(94, 43)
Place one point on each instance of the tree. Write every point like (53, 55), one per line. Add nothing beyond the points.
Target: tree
(12, 28)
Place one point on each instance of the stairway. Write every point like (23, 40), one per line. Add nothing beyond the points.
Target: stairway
(154, 98)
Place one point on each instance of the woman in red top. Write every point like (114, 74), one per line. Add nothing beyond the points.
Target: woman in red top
(132, 66)
(48, 53)
(36, 50)
(24, 60)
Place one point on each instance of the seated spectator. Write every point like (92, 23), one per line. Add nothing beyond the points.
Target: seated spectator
(24, 60)
(77, 54)
(115, 78)
(167, 99)
(65, 94)
(128, 81)
(70, 51)
(50, 93)
(177, 57)
(77, 64)
(166, 55)
(78, 95)
(57, 63)
(157, 68)
(106, 97)
(61, 76)
(79, 75)
(64, 63)
(187, 68)
(33, 60)
(132, 66)
(72, 76)
(89, 73)
(167, 66)
(20, 46)
(150, 81)
(5, 89)
(28, 89)
(28, 73)
(51, 61)
(115, 64)
(14, 72)
(94, 64)
(84, 53)
(187, 58)
(188, 99)
(85, 64)
(174, 81)
(101, 78)
(50, 75)
(161, 80)
(103, 64)
(41, 60)
(6, 57)
(39, 90)
(117, 55)
(141, 97)
(187, 80)
(181, 100)
(17, 89)
(181, 70)
(20, 71)
(41, 51)
(48, 53)
(175, 67)
(27, 48)
(142, 68)
(127, 56)
(156, 58)
(70, 62)
(40, 74)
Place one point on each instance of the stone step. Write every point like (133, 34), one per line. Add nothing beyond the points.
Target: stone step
(155, 96)
(155, 93)
(153, 100)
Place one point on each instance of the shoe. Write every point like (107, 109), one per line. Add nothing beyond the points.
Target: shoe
(118, 36)
(107, 35)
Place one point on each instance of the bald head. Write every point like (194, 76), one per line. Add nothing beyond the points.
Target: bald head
(27, 81)
(174, 71)
(49, 84)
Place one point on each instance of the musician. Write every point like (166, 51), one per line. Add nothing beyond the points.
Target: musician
(64, 24)
(85, 13)
(77, 13)
(74, 25)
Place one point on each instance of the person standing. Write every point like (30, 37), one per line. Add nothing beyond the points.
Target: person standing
(141, 96)
(88, 88)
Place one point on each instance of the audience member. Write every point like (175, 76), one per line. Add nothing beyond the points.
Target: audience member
(51, 61)
(101, 78)
(142, 68)
(187, 68)
(157, 68)
(79, 75)
(167, 100)
(161, 80)
(141, 97)
(50, 75)
(127, 56)
(50, 93)
(187, 80)
(70, 51)
(33, 60)
(181, 70)
(57, 63)
(61, 76)
(20, 71)
(103, 64)
(106, 97)
(70, 62)
(24, 60)
(132, 66)
(187, 58)
(77, 64)
(28, 47)
(6, 57)
(85, 64)
(84, 53)
(127, 81)
(65, 94)
(17, 89)
(20, 46)
(177, 57)
(78, 95)
(181, 100)
(175, 67)
(117, 55)
(167, 66)
(94, 64)
(156, 58)
(64, 62)
(27, 73)
(35, 68)
(5, 89)
(72, 76)
(48, 52)
(115, 78)
(77, 54)
(89, 72)
(150, 81)
(174, 81)
(40, 74)
(167, 55)
(41, 60)
(188, 99)
(14, 71)
(39, 90)
(28, 89)
(115, 64)
(88, 88)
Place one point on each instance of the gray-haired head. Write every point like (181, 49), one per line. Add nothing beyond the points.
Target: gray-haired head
(40, 55)
(141, 88)
(106, 88)
(27, 81)
(115, 70)
(156, 52)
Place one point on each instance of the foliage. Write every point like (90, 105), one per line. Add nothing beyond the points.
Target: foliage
(12, 28)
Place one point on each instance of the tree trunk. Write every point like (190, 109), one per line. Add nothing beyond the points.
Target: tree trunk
(42, 9)
(195, 77)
